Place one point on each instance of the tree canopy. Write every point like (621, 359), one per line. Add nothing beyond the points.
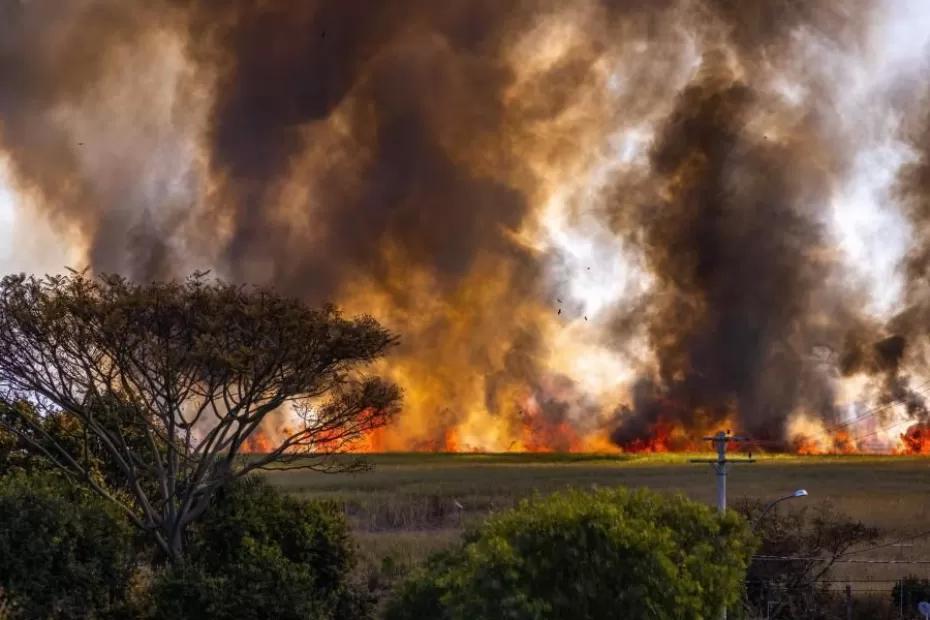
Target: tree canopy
(166, 382)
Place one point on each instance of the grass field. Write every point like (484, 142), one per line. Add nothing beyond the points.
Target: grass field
(408, 505)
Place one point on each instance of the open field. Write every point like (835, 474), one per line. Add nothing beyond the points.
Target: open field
(411, 491)
(407, 506)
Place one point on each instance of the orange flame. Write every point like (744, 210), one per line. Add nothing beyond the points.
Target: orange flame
(541, 435)
(666, 436)
(537, 432)
(840, 442)
(258, 442)
(916, 440)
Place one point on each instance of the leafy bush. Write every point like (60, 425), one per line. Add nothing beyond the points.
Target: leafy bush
(260, 554)
(63, 553)
(612, 553)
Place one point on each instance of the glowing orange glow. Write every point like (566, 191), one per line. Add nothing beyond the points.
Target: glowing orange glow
(804, 444)
(528, 428)
(258, 442)
(916, 440)
(665, 436)
(541, 435)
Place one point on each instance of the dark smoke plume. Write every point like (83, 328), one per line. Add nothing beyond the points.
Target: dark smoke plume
(390, 156)
(737, 259)
(735, 237)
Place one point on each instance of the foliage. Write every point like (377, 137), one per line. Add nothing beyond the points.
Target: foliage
(37, 438)
(157, 388)
(64, 553)
(260, 554)
(908, 593)
(578, 555)
(818, 536)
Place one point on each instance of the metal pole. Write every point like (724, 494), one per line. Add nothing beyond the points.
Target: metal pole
(719, 442)
(720, 467)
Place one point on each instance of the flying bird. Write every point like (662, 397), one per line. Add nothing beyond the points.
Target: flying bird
(560, 311)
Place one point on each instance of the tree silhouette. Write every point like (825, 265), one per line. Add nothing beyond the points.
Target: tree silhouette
(164, 383)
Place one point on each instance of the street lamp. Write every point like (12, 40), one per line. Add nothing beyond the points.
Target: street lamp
(798, 493)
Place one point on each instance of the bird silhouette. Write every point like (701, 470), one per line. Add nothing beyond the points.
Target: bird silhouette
(560, 311)
(586, 317)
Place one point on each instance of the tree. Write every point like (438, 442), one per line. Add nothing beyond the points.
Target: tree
(263, 554)
(167, 381)
(816, 539)
(574, 555)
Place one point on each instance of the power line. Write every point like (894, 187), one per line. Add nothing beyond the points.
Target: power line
(883, 429)
(889, 544)
(840, 560)
(880, 408)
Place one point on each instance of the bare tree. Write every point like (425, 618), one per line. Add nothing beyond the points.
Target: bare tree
(168, 380)
(798, 549)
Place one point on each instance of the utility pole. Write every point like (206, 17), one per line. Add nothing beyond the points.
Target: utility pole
(720, 441)
(849, 606)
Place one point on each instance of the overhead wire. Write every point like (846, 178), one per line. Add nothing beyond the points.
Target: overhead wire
(876, 410)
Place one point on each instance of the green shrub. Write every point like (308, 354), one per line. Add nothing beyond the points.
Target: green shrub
(608, 554)
(260, 554)
(63, 553)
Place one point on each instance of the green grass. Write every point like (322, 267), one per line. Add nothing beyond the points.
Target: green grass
(891, 491)
(406, 507)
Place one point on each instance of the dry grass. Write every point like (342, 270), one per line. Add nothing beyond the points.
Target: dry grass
(407, 506)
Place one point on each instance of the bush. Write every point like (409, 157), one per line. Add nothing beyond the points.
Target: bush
(613, 553)
(260, 554)
(908, 593)
(63, 553)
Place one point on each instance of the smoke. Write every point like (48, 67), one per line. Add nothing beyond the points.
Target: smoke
(734, 235)
(585, 218)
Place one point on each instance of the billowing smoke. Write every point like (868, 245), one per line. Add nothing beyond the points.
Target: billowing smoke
(734, 234)
(587, 219)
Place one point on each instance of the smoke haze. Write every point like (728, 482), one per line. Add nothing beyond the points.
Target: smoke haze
(595, 223)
